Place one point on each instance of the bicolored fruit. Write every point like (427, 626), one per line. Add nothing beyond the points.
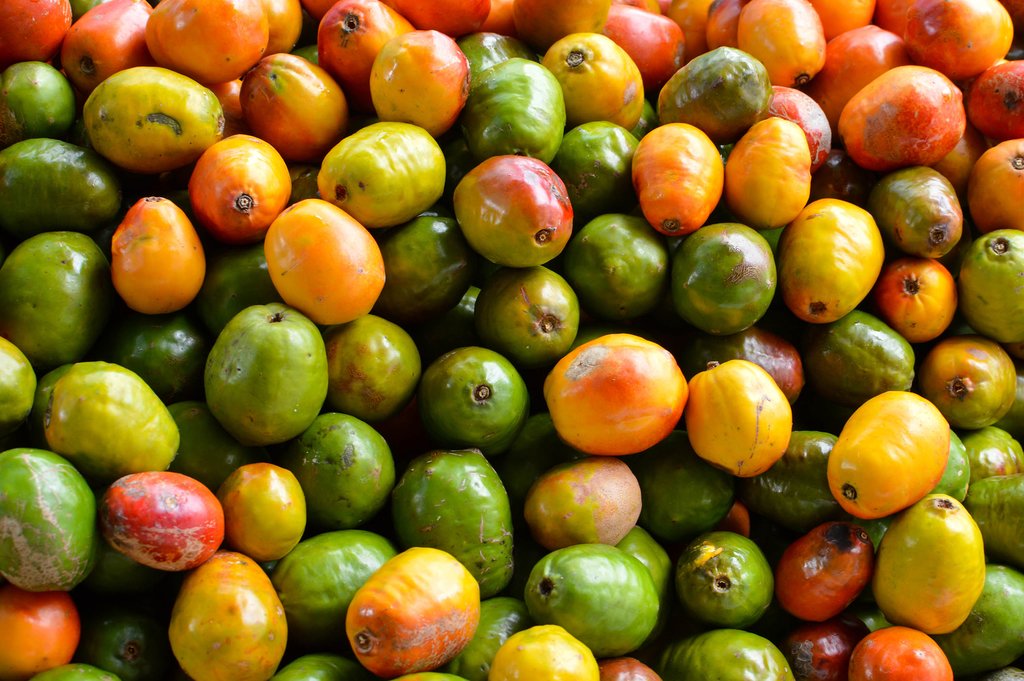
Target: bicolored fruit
(992, 265)
(49, 539)
(544, 651)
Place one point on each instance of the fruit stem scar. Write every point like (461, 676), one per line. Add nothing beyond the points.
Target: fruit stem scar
(849, 491)
(574, 58)
(482, 392)
(244, 203)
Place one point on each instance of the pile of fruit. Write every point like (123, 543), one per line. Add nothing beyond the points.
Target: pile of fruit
(494, 340)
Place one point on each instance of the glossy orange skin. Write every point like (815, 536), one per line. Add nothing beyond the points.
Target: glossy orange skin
(162, 519)
(678, 176)
(39, 630)
(229, 94)
(294, 105)
(823, 571)
(323, 262)
(768, 174)
(916, 297)
(794, 105)
(736, 520)
(540, 23)
(654, 42)
(737, 418)
(994, 101)
(852, 60)
(840, 16)
(108, 38)
(349, 37)
(891, 15)
(995, 191)
(652, 6)
(723, 22)
(970, 378)
(959, 38)
(157, 261)
(284, 21)
(786, 36)
(898, 654)
(237, 188)
(210, 41)
(417, 612)
(909, 115)
(956, 166)
(626, 669)
(420, 77)
(227, 621)
(452, 17)
(692, 17)
(890, 454)
(499, 20)
(32, 30)
(317, 8)
(617, 394)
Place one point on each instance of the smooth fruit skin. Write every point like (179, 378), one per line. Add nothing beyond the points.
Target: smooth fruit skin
(992, 102)
(48, 538)
(162, 519)
(500, 618)
(995, 503)
(264, 510)
(617, 394)
(916, 297)
(891, 453)
(415, 613)
(17, 387)
(737, 418)
(227, 623)
(725, 654)
(898, 654)
(917, 210)
(544, 651)
(785, 35)
(108, 422)
(829, 258)
(971, 379)
(995, 185)
(991, 266)
(40, 630)
(930, 567)
(111, 39)
(958, 38)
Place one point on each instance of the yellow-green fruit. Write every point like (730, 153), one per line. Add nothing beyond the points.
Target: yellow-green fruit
(930, 566)
(546, 651)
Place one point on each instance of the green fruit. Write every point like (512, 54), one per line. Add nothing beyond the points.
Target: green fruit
(993, 634)
(449, 331)
(529, 314)
(682, 494)
(40, 400)
(55, 297)
(167, 351)
(725, 655)
(618, 266)
(37, 99)
(917, 210)
(17, 387)
(723, 92)
(384, 174)
(724, 580)
(317, 579)
(595, 162)
(75, 672)
(993, 265)
(322, 667)
(484, 50)
(855, 358)
(429, 268)
(47, 185)
(997, 505)
(957, 476)
(648, 121)
(266, 375)
(48, 539)
(992, 451)
(645, 548)
(1013, 421)
(129, 643)
(455, 501)
(603, 596)
(114, 573)
(206, 451)
(473, 397)
(345, 469)
(236, 278)
(373, 368)
(516, 107)
(723, 278)
(109, 423)
(500, 617)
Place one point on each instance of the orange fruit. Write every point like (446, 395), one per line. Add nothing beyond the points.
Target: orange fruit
(39, 631)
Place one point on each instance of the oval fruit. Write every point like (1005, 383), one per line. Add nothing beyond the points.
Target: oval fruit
(264, 510)
(545, 651)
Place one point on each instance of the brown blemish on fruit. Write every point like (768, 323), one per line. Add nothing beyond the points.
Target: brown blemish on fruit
(585, 362)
